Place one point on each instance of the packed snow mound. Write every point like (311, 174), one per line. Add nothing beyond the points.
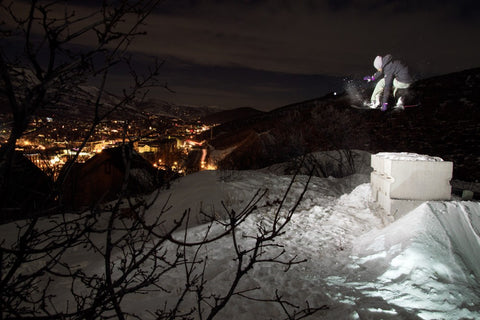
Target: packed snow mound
(425, 262)
(424, 265)
(210, 193)
(451, 230)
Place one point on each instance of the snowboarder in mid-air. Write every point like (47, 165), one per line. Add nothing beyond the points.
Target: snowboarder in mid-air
(395, 74)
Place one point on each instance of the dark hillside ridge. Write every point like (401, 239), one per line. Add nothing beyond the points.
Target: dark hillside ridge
(170, 110)
(230, 115)
(447, 124)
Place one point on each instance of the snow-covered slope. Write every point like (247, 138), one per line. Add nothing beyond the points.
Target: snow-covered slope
(360, 265)
(425, 264)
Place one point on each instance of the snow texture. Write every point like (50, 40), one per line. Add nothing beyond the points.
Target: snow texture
(407, 156)
(424, 265)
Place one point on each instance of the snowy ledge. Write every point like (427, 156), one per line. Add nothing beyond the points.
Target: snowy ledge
(406, 156)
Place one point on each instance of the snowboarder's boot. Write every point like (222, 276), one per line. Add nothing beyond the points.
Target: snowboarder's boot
(374, 103)
(400, 104)
(407, 97)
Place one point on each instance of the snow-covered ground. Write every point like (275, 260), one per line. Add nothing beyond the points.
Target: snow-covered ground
(360, 264)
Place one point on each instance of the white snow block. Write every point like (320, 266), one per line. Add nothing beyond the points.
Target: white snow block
(413, 177)
(402, 181)
(394, 207)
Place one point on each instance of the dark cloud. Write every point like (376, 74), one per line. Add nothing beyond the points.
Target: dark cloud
(246, 45)
(454, 6)
(339, 4)
(265, 52)
(304, 41)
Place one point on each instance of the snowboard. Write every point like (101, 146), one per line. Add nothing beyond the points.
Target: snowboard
(362, 107)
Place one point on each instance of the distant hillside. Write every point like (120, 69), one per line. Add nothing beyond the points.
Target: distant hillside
(445, 125)
(230, 115)
(80, 105)
(186, 113)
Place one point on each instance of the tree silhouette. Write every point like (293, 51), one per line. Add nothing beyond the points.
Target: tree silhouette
(138, 250)
(50, 64)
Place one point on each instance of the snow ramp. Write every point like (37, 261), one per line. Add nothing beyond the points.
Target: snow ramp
(427, 262)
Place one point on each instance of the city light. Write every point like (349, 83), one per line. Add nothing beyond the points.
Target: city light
(54, 143)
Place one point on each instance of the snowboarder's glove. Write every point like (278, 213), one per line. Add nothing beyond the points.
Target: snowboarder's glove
(384, 106)
(369, 78)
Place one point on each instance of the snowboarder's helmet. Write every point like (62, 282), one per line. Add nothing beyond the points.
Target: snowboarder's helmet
(377, 63)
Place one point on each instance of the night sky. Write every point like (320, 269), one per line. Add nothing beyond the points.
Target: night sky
(269, 53)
